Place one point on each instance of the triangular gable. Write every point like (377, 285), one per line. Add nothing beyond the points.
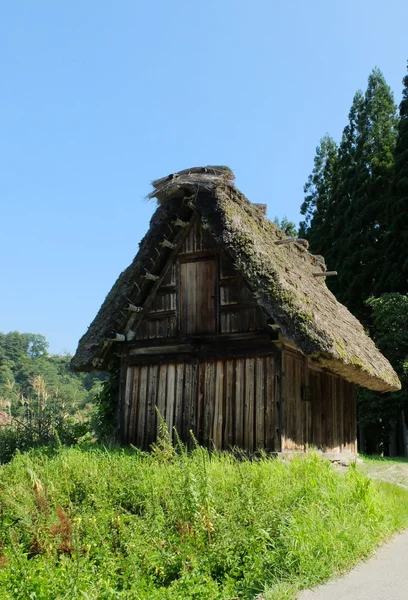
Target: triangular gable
(185, 304)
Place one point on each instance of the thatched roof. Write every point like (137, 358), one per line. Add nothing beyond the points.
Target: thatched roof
(280, 276)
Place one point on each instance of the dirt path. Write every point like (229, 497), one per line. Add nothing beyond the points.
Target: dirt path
(383, 577)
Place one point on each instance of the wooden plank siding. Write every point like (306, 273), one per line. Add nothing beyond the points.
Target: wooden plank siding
(204, 357)
(225, 403)
(319, 408)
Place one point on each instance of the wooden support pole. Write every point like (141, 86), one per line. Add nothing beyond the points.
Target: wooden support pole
(150, 276)
(166, 244)
(117, 337)
(292, 240)
(289, 240)
(134, 308)
(324, 273)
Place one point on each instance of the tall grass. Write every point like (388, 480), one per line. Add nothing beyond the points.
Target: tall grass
(103, 524)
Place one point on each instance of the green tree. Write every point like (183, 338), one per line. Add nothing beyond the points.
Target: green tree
(319, 190)
(345, 204)
(289, 227)
(24, 356)
(367, 212)
(378, 413)
(395, 270)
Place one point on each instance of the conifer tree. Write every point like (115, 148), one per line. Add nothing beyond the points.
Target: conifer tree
(318, 190)
(395, 270)
(344, 183)
(348, 220)
(366, 216)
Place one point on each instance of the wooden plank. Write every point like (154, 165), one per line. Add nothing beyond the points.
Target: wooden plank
(328, 401)
(259, 403)
(218, 405)
(207, 308)
(353, 417)
(198, 255)
(198, 297)
(151, 405)
(178, 402)
(315, 381)
(339, 416)
(188, 403)
(307, 402)
(236, 292)
(270, 416)
(229, 404)
(209, 397)
(192, 412)
(134, 406)
(192, 291)
(127, 403)
(249, 403)
(161, 393)
(285, 402)
(293, 437)
(200, 403)
(227, 269)
(301, 404)
(170, 397)
(278, 402)
(142, 402)
(121, 398)
(239, 401)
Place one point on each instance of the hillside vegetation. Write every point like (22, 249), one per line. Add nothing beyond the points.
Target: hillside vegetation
(102, 524)
(42, 402)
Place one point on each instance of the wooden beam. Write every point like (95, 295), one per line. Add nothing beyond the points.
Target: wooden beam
(132, 308)
(117, 337)
(324, 273)
(289, 240)
(151, 276)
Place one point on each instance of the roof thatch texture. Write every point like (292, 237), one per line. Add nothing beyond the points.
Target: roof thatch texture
(280, 276)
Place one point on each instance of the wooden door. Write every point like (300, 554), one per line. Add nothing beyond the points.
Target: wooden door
(198, 296)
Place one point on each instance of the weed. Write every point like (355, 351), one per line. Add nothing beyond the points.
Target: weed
(119, 523)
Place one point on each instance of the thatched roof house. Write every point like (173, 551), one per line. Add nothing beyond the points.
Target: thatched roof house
(203, 220)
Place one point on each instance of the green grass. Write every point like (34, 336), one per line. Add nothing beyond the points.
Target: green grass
(392, 470)
(106, 524)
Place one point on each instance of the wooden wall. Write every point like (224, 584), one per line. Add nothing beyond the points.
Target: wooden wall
(201, 293)
(226, 402)
(318, 408)
(201, 312)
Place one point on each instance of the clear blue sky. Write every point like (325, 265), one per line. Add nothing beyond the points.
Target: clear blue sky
(100, 97)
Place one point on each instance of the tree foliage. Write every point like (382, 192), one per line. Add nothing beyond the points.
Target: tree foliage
(356, 216)
(24, 356)
(345, 203)
(395, 270)
(380, 412)
(289, 227)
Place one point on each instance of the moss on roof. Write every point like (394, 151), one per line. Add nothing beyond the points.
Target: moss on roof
(280, 276)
